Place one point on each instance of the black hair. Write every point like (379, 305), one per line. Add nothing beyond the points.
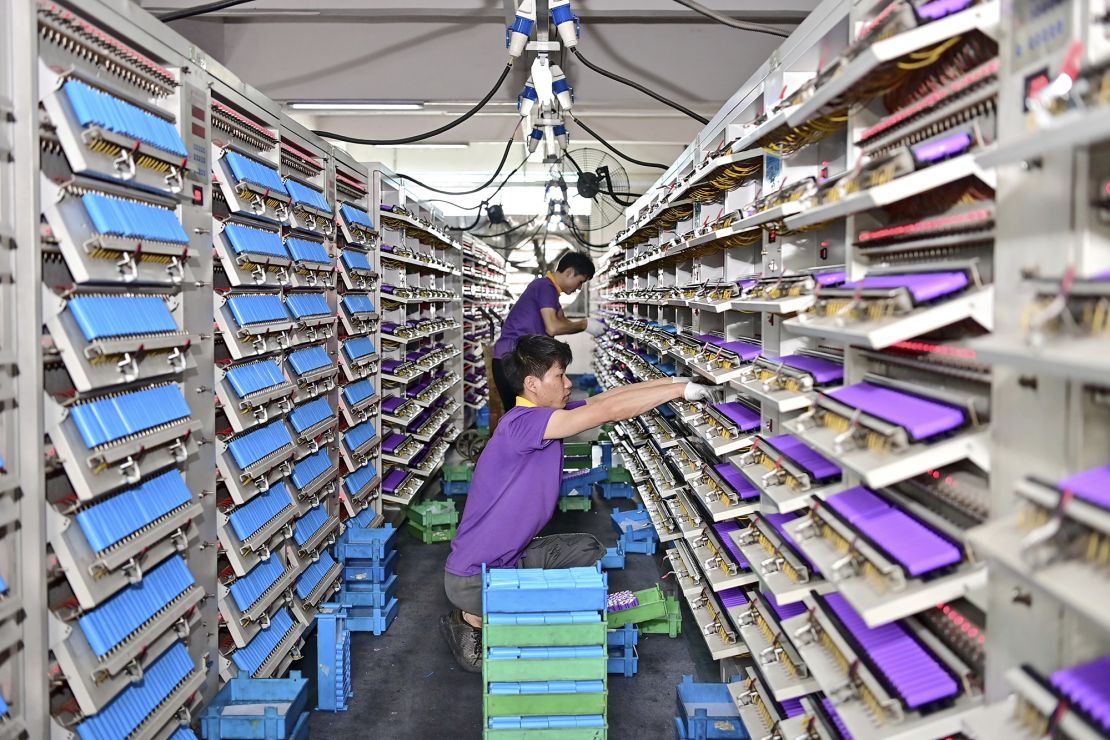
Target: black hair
(580, 262)
(534, 354)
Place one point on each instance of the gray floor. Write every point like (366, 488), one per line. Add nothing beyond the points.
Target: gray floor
(407, 685)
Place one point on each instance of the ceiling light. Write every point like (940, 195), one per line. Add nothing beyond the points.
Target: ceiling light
(355, 105)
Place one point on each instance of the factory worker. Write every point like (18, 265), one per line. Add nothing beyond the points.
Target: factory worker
(515, 487)
(538, 312)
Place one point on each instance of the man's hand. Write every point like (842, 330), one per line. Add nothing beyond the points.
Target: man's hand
(595, 327)
(699, 392)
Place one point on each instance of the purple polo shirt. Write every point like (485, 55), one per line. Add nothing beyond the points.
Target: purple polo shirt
(524, 317)
(513, 492)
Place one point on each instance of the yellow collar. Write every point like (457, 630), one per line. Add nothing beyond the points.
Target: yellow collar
(551, 277)
(522, 401)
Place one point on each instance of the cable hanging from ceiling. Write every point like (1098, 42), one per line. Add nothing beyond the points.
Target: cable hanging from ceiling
(177, 15)
(637, 86)
(732, 22)
(614, 150)
(436, 132)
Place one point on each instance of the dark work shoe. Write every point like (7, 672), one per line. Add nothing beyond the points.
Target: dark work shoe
(465, 641)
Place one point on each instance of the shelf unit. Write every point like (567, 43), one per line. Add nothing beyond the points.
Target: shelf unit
(820, 216)
(485, 304)
(422, 325)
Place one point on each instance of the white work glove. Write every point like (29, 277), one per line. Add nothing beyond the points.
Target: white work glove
(595, 327)
(697, 392)
(678, 379)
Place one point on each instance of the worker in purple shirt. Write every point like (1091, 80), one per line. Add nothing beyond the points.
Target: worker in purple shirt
(537, 311)
(515, 487)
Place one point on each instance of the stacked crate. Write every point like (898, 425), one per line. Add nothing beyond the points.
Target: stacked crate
(545, 661)
(369, 559)
(433, 521)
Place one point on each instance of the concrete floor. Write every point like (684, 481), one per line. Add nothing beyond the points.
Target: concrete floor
(407, 686)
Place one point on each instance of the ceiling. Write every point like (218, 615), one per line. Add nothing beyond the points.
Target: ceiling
(448, 53)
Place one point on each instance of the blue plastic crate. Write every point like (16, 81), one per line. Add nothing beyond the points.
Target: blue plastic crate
(582, 481)
(706, 712)
(364, 571)
(371, 619)
(367, 543)
(626, 636)
(333, 659)
(624, 661)
(367, 594)
(638, 546)
(613, 491)
(456, 487)
(635, 524)
(519, 590)
(606, 454)
(613, 558)
(227, 715)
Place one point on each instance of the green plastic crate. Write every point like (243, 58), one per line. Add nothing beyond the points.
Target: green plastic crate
(578, 733)
(619, 475)
(578, 449)
(577, 463)
(434, 533)
(652, 606)
(532, 705)
(545, 635)
(548, 669)
(575, 503)
(430, 513)
(458, 472)
(670, 625)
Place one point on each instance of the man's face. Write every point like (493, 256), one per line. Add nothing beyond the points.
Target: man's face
(553, 389)
(570, 281)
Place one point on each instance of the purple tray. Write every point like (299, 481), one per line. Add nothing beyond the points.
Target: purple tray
(792, 707)
(940, 8)
(1088, 686)
(922, 286)
(921, 418)
(418, 388)
(711, 339)
(827, 279)
(944, 147)
(722, 529)
(838, 722)
(823, 371)
(746, 351)
(820, 468)
(909, 670)
(739, 414)
(914, 546)
(733, 597)
(1092, 486)
(782, 611)
(736, 481)
(393, 441)
(393, 481)
(392, 403)
(387, 248)
(388, 366)
(389, 328)
(387, 288)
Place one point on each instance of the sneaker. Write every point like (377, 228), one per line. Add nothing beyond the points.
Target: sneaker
(465, 641)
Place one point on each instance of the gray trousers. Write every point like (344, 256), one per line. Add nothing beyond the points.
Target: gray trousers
(553, 551)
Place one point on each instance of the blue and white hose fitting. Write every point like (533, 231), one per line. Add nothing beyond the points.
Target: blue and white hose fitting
(527, 99)
(564, 93)
(534, 139)
(517, 35)
(560, 132)
(564, 19)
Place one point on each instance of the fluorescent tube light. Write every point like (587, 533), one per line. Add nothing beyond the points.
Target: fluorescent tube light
(354, 105)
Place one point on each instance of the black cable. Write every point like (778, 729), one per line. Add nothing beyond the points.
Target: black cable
(580, 237)
(616, 151)
(730, 22)
(477, 218)
(421, 137)
(636, 85)
(480, 188)
(518, 227)
(176, 15)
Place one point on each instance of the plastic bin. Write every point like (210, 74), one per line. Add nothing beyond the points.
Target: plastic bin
(651, 606)
(256, 709)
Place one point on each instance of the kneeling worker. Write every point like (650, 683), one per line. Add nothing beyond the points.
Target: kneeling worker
(537, 311)
(515, 487)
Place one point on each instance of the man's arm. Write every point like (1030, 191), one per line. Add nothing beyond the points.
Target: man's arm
(620, 389)
(555, 323)
(638, 398)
